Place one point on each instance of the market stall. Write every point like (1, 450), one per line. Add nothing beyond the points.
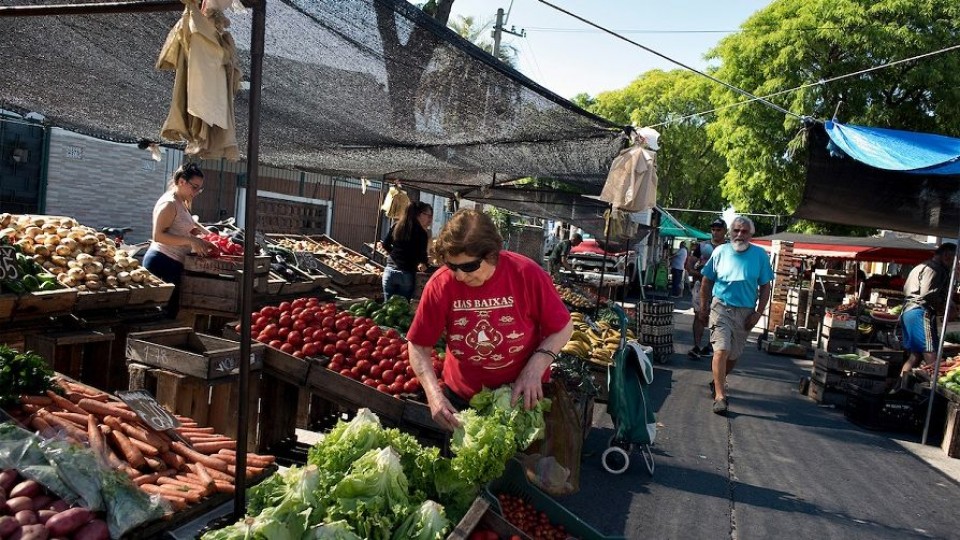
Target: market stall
(891, 179)
(122, 48)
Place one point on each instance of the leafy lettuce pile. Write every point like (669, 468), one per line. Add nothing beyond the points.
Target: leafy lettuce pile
(365, 481)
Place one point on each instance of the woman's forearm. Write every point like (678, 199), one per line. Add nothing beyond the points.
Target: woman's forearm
(422, 366)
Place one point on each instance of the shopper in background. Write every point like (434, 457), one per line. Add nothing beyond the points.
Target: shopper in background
(925, 294)
(175, 233)
(734, 292)
(504, 321)
(695, 262)
(558, 257)
(677, 262)
(406, 242)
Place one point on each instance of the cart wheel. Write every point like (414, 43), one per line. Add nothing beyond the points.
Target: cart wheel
(647, 454)
(615, 460)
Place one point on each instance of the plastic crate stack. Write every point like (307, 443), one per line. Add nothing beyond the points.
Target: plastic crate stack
(656, 326)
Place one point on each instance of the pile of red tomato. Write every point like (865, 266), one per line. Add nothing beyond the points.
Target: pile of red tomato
(530, 520)
(222, 245)
(355, 346)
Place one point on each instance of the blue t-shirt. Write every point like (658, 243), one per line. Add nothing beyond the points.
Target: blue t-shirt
(736, 276)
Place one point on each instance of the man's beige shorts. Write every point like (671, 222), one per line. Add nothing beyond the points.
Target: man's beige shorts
(727, 332)
(695, 296)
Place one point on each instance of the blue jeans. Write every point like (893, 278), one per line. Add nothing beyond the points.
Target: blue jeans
(398, 282)
(168, 270)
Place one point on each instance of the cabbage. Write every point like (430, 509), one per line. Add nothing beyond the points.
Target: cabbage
(372, 497)
(425, 523)
(337, 530)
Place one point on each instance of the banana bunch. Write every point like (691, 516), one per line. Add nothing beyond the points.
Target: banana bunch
(595, 345)
(573, 297)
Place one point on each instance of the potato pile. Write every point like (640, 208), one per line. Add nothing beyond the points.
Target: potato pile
(79, 256)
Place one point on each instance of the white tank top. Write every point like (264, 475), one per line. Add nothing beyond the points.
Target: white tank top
(182, 225)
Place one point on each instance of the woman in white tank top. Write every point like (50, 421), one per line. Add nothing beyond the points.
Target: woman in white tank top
(175, 232)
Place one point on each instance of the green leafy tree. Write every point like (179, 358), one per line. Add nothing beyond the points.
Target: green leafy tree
(478, 33)
(792, 43)
(688, 168)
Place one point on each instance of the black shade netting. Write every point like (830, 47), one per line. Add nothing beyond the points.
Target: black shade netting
(350, 87)
(842, 190)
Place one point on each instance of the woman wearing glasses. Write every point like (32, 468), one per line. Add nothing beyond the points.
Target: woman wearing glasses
(406, 242)
(504, 321)
(175, 231)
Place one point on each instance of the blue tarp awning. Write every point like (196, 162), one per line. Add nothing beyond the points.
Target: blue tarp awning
(883, 178)
(895, 150)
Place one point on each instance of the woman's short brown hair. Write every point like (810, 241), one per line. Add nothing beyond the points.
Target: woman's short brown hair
(468, 232)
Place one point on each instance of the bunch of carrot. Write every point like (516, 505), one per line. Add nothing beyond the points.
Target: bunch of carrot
(159, 464)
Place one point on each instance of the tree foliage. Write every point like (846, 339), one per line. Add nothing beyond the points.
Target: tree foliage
(478, 33)
(793, 43)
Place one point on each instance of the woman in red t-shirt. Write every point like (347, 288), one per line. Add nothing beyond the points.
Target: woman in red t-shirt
(504, 321)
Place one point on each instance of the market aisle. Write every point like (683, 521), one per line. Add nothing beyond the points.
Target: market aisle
(777, 465)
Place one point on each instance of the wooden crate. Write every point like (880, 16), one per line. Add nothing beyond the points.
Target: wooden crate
(826, 396)
(118, 378)
(82, 355)
(212, 403)
(45, 304)
(7, 304)
(838, 346)
(951, 431)
(102, 299)
(187, 352)
(481, 516)
(225, 265)
(150, 295)
(214, 294)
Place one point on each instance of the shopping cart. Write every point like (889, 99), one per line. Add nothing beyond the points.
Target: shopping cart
(630, 408)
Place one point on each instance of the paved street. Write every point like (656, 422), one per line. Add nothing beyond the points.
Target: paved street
(777, 466)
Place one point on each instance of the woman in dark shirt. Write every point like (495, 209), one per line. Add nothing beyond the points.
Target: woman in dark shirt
(406, 242)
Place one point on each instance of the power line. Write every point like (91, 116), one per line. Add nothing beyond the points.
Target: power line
(536, 64)
(671, 60)
(754, 27)
(810, 85)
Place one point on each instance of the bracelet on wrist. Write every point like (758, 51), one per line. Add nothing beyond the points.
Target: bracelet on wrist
(553, 356)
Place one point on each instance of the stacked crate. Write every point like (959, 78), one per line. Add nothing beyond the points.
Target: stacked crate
(796, 310)
(784, 263)
(839, 332)
(834, 378)
(827, 289)
(656, 327)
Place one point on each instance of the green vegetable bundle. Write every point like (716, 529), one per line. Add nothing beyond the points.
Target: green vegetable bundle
(394, 313)
(31, 277)
(364, 481)
(23, 373)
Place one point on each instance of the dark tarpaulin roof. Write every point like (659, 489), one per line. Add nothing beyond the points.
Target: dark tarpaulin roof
(882, 249)
(843, 190)
(351, 87)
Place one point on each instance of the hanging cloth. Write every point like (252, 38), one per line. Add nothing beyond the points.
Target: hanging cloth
(631, 184)
(395, 203)
(616, 224)
(204, 56)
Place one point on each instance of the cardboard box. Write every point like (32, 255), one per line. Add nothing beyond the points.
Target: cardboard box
(839, 320)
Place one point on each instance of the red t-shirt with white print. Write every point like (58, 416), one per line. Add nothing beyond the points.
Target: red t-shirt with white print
(492, 330)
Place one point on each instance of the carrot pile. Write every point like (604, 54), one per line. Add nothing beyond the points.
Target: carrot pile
(182, 474)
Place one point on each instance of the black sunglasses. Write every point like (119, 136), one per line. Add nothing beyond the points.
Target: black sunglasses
(467, 267)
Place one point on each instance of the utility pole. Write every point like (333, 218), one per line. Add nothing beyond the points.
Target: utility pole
(498, 30)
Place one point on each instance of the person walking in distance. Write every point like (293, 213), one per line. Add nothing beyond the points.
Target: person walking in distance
(695, 262)
(733, 293)
(925, 291)
(677, 262)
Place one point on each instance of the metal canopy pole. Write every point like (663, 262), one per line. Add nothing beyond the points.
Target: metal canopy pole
(250, 230)
(943, 331)
(603, 267)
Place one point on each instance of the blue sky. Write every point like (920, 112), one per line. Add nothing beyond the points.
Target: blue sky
(568, 57)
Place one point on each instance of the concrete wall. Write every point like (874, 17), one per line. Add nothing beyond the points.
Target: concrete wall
(105, 184)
